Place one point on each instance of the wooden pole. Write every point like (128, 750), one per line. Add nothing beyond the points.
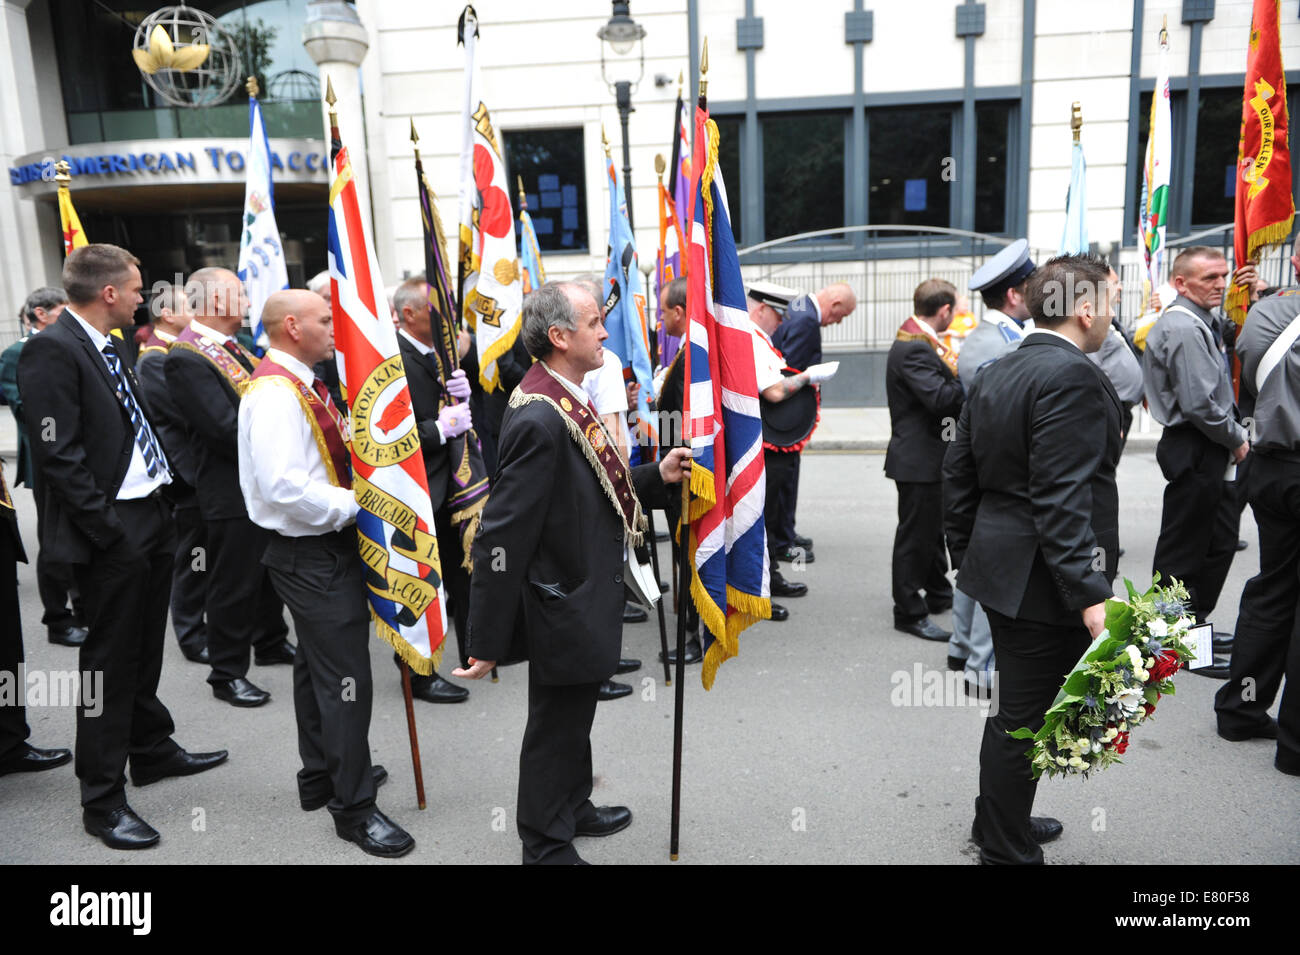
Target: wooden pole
(415, 742)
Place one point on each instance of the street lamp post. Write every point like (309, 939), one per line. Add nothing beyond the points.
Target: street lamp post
(622, 33)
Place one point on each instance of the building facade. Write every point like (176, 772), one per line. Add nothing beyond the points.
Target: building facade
(914, 137)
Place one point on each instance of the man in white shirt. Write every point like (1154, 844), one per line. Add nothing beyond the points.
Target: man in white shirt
(295, 474)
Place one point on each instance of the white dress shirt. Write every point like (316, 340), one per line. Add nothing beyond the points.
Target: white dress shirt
(211, 334)
(607, 391)
(281, 472)
(137, 483)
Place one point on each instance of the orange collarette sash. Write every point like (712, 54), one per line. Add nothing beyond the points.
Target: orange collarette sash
(589, 434)
(231, 369)
(327, 424)
(915, 330)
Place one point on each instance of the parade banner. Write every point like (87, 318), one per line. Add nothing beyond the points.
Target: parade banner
(73, 236)
(727, 548)
(530, 255)
(625, 319)
(1074, 239)
(491, 292)
(467, 492)
(1265, 207)
(395, 530)
(261, 259)
(1154, 208)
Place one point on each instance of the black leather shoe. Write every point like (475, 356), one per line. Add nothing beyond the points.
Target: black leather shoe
(609, 690)
(924, 628)
(378, 835)
(179, 763)
(694, 653)
(120, 828)
(796, 554)
(68, 636)
(1267, 730)
(284, 652)
(312, 803)
(634, 613)
(604, 821)
(783, 588)
(434, 689)
(1041, 829)
(779, 613)
(804, 542)
(239, 692)
(627, 666)
(1218, 670)
(956, 663)
(1241, 544)
(28, 759)
(196, 656)
(1222, 642)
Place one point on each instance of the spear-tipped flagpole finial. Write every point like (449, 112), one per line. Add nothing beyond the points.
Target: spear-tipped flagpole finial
(415, 140)
(704, 69)
(604, 140)
(1076, 119)
(1164, 30)
(681, 78)
(523, 199)
(251, 86)
(331, 99)
(62, 172)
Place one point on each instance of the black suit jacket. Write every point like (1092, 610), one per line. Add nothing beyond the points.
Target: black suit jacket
(171, 426)
(1032, 510)
(67, 386)
(799, 336)
(922, 392)
(547, 584)
(209, 406)
(426, 399)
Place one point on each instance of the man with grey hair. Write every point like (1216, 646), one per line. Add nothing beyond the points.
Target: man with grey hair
(54, 581)
(566, 510)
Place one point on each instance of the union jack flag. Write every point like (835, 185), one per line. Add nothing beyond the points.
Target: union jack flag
(395, 529)
(728, 542)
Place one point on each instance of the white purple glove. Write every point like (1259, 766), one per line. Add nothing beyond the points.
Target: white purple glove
(454, 420)
(458, 385)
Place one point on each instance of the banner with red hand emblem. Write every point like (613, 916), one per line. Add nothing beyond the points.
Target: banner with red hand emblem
(491, 291)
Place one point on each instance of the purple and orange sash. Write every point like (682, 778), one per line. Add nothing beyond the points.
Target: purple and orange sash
(916, 330)
(328, 426)
(589, 434)
(157, 343)
(226, 363)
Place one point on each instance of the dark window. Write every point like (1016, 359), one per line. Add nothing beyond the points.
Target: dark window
(907, 156)
(729, 133)
(803, 173)
(550, 162)
(1218, 132)
(992, 133)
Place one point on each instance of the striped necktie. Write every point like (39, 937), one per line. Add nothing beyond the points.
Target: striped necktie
(154, 459)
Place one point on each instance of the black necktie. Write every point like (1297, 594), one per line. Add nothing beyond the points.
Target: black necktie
(231, 346)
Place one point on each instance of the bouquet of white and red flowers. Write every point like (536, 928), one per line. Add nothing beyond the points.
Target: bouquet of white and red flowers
(1116, 683)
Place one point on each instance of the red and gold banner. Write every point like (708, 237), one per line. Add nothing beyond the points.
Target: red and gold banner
(1265, 207)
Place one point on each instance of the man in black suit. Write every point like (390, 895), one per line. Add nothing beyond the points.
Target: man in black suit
(16, 754)
(206, 370)
(925, 398)
(441, 413)
(548, 584)
(104, 470)
(799, 339)
(169, 317)
(1032, 524)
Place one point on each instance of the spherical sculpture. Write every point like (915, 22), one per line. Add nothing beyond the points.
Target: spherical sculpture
(186, 57)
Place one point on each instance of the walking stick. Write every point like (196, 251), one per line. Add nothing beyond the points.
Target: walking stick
(415, 742)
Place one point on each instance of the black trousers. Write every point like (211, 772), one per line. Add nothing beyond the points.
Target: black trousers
(920, 556)
(1033, 659)
(1199, 521)
(13, 719)
(319, 579)
(555, 770)
(1266, 645)
(242, 606)
(126, 591)
(782, 469)
(189, 585)
(55, 581)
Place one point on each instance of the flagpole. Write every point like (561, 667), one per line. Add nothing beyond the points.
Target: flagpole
(663, 334)
(680, 695)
